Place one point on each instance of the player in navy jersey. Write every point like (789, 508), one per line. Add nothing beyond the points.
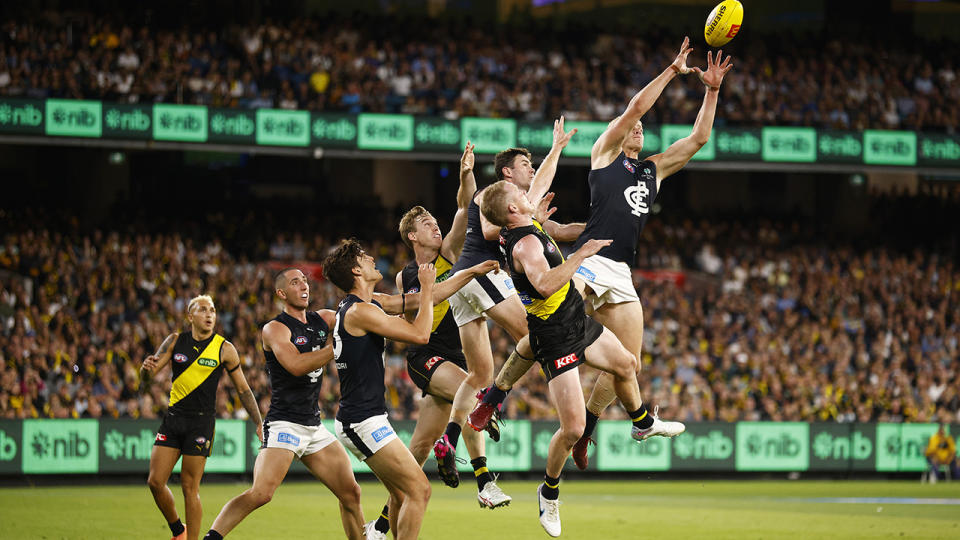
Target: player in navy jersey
(622, 190)
(362, 425)
(561, 334)
(197, 359)
(493, 295)
(297, 347)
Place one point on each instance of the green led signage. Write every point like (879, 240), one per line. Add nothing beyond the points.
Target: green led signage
(60, 446)
(766, 446)
(21, 116)
(735, 144)
(127, 121)
(437, 134)
(283, 128)
(187, 123)
(840, 147)
(618, 451)
(385, 132)
(73, 118)
(939, 150)
(792, 144)
(889, 147)
(233, 126)
(333, 130)
(490, 135)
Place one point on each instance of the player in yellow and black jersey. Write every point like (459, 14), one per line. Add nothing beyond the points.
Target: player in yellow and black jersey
(197, 359)
(561, 334)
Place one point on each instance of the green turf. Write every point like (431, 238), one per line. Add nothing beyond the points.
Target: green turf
(591, 509)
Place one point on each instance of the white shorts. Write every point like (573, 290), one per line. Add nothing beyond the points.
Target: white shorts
(365, 438)
(480, 294)
(611, 281)
(300, 439)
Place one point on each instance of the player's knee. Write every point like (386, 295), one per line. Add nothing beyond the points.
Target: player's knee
(259, 497)
(156, 483)
(190, 489)
(350, 497)
(570, 432)
(423, 491)
(625, 366)
(481, 376)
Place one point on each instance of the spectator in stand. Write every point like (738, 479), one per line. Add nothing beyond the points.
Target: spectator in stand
(941, 451)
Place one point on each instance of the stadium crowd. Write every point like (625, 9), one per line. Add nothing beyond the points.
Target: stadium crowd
(453, 69)
(773, 322)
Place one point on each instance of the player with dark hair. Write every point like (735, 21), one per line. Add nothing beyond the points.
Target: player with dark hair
(561, 334)
(198, 360)
(493, 295)
(297, 347)
(359, 332)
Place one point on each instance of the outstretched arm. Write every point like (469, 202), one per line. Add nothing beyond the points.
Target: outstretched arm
(231, 361)
(679, 153)
(395, 304)
(564, 232)
(453, 242)
(364, 317)
(548, 168)
(608, 144)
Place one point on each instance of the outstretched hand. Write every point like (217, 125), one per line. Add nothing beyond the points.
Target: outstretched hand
(560, 137)
(715, 70)
(680, 62)
(544, 210)
(427, 274)
(467, 159)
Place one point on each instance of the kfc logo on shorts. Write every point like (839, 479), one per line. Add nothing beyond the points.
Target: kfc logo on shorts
(179, 358)
(550, 248)
(566, 360)
(301, 340)
(431, 362)
(413, 290)
(629, 166)
(161, 437)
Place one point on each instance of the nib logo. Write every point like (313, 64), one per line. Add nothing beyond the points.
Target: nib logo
(70, 445)
(134, 120)
(76, 118)
(781, 446)
(714, 445)
(23, 115)
(341, 130)
(856, 446)
(541, 445)
(239, 124)
(113, 119)
(116, 445)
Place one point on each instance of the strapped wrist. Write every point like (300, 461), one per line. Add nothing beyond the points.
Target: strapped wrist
(674, 68)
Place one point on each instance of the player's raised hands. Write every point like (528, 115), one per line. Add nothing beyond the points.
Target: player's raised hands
(150, 362)
(560, 137)
(544, 210)
(592, 247)
(427, 275)
(680, 62)
(467, 159)
(713, 76)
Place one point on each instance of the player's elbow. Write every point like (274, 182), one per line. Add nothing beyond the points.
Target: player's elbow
(701, 139)
(421, 338)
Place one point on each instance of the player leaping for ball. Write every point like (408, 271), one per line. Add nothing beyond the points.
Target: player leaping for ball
(561, 335)
(493, 295)
(622, 189)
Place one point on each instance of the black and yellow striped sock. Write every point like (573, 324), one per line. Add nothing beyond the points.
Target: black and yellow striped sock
(383, 522)
(481, 472)
(642, 417)
(551, 487)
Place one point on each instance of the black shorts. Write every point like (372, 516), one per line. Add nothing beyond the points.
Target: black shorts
(559, 342)
(192, 435)
(421, 366)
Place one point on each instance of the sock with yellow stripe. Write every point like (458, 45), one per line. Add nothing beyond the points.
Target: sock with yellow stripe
(642, 417)
(481, 472)
(551, 487)
(383, 522)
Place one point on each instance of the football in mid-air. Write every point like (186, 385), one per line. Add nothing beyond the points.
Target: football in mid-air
(723, 23)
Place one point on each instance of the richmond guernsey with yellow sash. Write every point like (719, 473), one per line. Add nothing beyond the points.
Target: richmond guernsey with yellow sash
(197, 368)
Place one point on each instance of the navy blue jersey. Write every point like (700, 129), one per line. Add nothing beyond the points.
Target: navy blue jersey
(359, 362)
(476, 248)
(621, 195)
(295, 399)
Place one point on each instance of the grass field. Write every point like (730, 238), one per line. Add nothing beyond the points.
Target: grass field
(591, 509)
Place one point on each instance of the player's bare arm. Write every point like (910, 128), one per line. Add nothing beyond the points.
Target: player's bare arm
(156, 361)
(276, 338)
(607, 146)
(453, 241)
(564, 232)
(679, 153)
(394, 304)
(548, 167)
(231, 361)
(528, 256)
(362, 318)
